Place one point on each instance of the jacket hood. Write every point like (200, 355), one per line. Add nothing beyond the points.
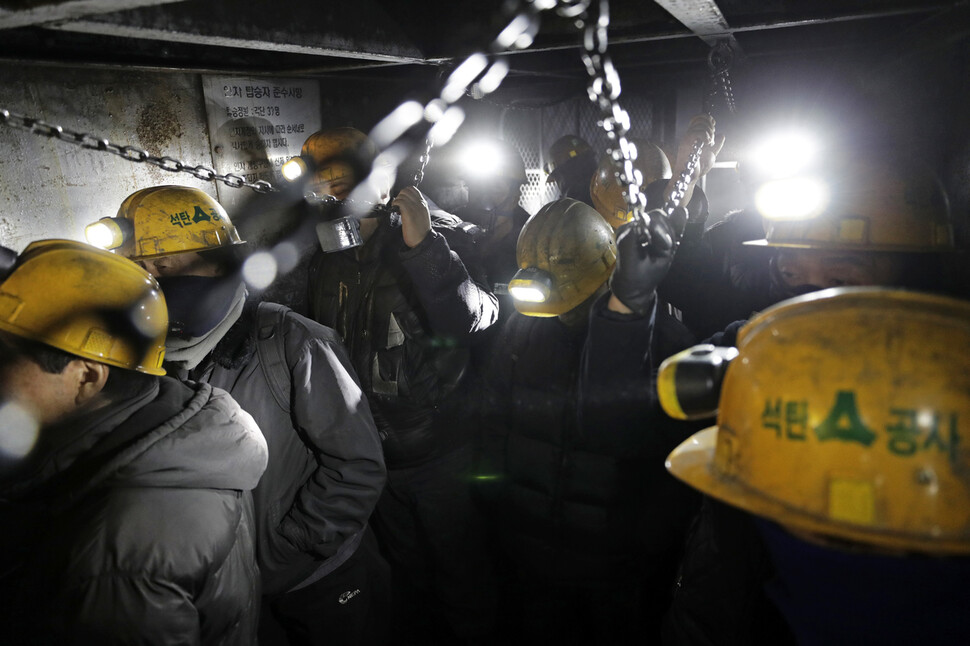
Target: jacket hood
(210, 443)
(166, 434)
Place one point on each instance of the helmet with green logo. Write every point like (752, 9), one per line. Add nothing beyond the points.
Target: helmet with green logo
(164, 221)
(845, 415)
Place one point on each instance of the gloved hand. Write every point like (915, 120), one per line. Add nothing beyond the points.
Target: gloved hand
(641, 267)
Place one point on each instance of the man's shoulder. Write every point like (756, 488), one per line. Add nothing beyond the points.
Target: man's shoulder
(273, 317)
(453, 228)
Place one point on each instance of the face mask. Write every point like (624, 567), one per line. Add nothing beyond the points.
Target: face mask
(779, 290)
(835, 596)
(196, 304)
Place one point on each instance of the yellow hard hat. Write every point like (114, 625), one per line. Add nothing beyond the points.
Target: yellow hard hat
(878, 206)
(565, 252)
(338, 153)
(607, 192)
(564, 150)
(88, 302)
(164, 221)
(845, 415)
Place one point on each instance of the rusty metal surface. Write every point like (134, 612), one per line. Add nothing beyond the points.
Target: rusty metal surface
(52, 189)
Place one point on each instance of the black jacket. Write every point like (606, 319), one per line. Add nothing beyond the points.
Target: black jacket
(133, 524)
(574, 446)
(719, 597)
(407, 317)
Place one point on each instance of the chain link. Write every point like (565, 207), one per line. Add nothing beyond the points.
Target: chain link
(423, 162)
(130, 153)
(604, 90)
(719, 61)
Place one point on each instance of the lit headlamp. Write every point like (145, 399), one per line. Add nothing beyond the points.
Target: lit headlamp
(109, 233)
(296, 168)
(792, 198)
(531, 285)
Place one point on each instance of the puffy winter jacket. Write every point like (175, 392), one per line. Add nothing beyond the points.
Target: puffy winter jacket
(577, 447)
(326, 470)
(133, 524)
(407, 317)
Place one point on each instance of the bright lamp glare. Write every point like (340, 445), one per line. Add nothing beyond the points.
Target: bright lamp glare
(105, 234)
(293, 169)
(259, 270)
(528, 293)
(481, 159)
(785, 154)
(792, 199)
(18, 430)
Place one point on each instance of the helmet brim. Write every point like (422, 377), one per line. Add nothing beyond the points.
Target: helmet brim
(869, 248)
(693, 463)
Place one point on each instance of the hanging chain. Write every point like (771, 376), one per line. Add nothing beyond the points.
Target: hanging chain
(423, 162)
(130, 153)
(719, 61)
(604, 91)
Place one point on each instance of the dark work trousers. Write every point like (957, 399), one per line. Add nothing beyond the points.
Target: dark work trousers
(433, 535)
(349, 606)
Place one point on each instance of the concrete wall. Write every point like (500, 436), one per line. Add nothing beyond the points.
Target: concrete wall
(50, 188)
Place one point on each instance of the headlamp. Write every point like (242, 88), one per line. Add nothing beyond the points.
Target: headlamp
(531, 285)
(794, 198)
(294, 169)
(689, 383)
(109, 233)
(785, 153)
(481, 159)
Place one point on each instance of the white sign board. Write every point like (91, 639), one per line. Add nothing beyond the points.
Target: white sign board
(256, 125)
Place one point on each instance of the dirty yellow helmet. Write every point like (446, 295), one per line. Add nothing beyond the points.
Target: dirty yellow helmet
(564, 150)
(164, 221)
(88, 302)
(339, 153)
(880, 206)
(565, 252)
(845, 415)
(607, 192)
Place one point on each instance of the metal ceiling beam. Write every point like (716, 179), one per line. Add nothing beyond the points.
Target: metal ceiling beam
(632, 39)
(703, 18)
(359, 30)
(68, 10)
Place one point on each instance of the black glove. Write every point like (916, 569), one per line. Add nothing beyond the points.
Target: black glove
(644, 254)
(697, 212)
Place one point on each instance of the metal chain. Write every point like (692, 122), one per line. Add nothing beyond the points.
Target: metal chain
(130, 153)
(604, 91)
(719, 61)
(423, 162)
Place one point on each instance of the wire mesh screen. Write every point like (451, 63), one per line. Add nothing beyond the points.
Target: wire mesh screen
(532, 130)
